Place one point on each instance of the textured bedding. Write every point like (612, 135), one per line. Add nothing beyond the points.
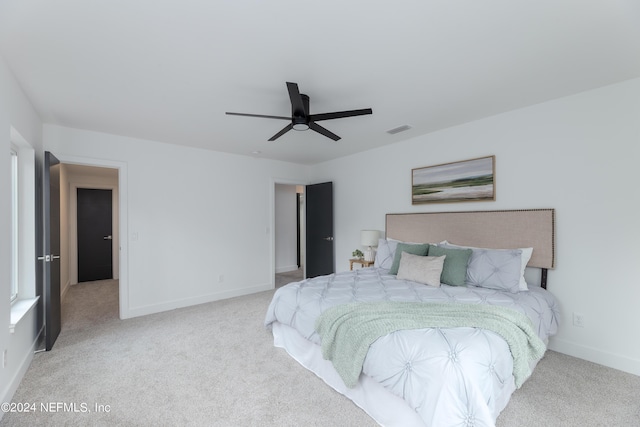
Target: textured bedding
(449, 376)
(348, 330)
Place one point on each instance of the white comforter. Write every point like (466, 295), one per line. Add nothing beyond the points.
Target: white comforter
(449, 376)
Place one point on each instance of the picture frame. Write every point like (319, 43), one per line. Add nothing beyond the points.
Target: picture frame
(470, 180)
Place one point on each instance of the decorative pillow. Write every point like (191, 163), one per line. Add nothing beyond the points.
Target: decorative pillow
(421, 269)
(494, 268)
(526, 256)
(415, 249)
(454, 272)
(384, 254)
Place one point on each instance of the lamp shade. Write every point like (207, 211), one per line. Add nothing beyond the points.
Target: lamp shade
(369, 237)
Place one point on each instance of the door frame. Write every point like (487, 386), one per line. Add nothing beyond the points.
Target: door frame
(122, 233)
(73, 228)
(271, 229)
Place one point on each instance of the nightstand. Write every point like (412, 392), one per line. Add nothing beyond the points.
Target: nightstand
(362, 262)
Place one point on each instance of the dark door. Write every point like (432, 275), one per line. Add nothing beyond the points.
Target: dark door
(51, 240)
(95, 250)
(319, 230)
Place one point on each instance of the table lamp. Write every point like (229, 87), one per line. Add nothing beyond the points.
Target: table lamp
(369, 238)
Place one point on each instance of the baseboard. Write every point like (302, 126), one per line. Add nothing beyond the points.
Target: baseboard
(611, 360)
(187, 302)
(11, 388)
(65, 289)
(286, 269)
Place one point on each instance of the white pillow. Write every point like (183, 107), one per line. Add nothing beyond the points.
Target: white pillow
(421, 269)
(524, 260)
(385, 253)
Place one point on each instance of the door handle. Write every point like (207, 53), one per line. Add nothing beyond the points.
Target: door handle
(108, 238)
(330, 239)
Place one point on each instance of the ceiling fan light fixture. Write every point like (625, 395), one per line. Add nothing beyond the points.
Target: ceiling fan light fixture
(300, 126)
(300, 123)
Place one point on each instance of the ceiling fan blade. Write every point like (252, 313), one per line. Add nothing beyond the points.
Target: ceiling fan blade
(286, 129)
(323, 131)
(340, 114)
(258, 115)
(297, 105)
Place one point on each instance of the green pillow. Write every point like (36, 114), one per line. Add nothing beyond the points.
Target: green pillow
(415, 249)
(454, 271)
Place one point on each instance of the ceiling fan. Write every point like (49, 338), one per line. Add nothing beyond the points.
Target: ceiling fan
(300, 117)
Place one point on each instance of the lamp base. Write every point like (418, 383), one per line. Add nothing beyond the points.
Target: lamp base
(369, 254)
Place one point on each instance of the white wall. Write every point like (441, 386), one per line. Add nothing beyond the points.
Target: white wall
(579, 155)
(15, 112)
(199, 222)
(286, 228)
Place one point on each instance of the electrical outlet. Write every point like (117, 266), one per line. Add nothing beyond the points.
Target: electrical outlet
(221, 278)
(4, 359)
(578, 320)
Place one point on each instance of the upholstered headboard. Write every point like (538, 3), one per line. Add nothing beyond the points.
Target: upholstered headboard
(531, 228)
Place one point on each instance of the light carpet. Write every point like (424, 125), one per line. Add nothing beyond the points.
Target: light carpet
(288, 277)
(215, 365)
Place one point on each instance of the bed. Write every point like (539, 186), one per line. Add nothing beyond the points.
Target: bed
(430, 367)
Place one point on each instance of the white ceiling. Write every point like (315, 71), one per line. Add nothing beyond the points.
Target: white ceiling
(167, 70)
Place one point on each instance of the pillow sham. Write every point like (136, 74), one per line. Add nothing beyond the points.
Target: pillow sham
(494, 269)
(421, 269)
(415, 249)
(384, 254)
(526, 256)
(454, 272)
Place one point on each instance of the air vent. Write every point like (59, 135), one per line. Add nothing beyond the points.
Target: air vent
(398, 129)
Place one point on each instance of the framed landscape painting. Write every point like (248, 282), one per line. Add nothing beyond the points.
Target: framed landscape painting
(465, 181)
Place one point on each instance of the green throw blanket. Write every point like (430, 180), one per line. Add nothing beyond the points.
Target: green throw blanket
(347, 331)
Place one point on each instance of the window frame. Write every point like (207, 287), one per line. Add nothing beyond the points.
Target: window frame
(15, 224)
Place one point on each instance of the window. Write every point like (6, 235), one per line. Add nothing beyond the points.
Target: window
(23, 231)
(14, 225)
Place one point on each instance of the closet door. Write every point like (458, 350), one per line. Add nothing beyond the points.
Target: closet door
(320, 258)
(95, 239)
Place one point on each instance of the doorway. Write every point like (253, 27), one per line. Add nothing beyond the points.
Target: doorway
(66, 232)
(78, 178)
(304, 211)
(104, 179)
(289, 233)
